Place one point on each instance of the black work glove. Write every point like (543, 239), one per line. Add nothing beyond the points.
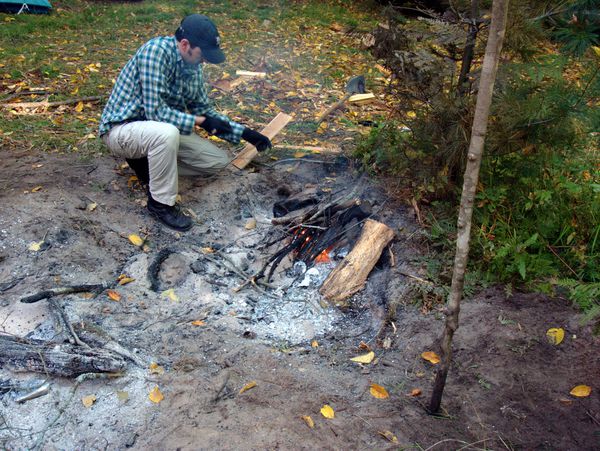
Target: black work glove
(258, 140)
(214, 125)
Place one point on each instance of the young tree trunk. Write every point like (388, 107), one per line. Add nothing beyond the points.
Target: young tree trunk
(469, 50)
(471, 177)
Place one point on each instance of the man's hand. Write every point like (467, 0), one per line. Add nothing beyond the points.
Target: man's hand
(258, 140)
(214, 125)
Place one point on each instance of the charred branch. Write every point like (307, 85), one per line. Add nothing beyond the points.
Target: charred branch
(97, 289)
(54, 359)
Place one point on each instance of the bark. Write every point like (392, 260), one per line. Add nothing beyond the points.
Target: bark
(471, 177)
(56, 359)
(349, 277)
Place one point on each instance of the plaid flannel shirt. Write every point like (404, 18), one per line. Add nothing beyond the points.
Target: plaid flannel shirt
(156, 84)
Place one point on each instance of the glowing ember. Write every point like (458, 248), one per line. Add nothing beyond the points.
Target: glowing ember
(323, 257)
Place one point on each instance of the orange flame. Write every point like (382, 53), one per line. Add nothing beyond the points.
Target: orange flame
(323, 257)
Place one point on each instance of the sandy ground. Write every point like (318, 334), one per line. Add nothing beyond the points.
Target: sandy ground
(508, 387)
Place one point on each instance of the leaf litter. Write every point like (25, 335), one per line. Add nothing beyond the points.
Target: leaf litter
(314, 97)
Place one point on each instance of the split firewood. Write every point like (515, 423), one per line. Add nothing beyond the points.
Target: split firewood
(362, 98)
(66, 360)
(250, 74)
(351, 274)
(270, 131)
(47, 104)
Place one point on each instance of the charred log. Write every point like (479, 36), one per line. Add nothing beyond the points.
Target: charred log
(55, 359)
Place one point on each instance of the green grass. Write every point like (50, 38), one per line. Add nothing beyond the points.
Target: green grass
(56, 51)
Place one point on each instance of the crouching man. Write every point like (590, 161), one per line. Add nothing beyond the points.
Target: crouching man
(158, 99)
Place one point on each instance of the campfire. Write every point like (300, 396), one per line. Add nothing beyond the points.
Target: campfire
(317, 227)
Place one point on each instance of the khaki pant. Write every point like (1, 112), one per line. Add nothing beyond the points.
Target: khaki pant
(169, 153)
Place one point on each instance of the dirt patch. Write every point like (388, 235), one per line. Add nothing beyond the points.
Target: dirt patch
(508, 388)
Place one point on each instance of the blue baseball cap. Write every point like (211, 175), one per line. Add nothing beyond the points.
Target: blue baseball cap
(203, 33)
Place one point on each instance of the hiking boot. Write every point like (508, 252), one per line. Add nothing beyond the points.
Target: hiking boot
(169, 216)
(141, 169)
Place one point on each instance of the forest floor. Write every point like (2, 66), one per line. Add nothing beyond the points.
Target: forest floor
(244, 369)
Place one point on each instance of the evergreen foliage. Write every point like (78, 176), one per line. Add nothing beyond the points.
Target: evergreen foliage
(537, 217)
(577, 27)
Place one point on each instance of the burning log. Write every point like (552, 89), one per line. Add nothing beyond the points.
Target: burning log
(314, 227)
(55, 359)
(351, 274)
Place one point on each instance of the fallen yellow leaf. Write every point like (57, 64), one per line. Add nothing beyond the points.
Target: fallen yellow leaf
(36, 189)
(377, 391)
(155, 368)
(170, 293)
(309, 421)
(581, 391)
(415, 392)
(79, 107)
(327, 411)
(431, 356)
(314, 344)
(555, 335)
(596, 50)
(250, 224)
(88, 400)
(365, 358)
(91, 206)
(299, 154)
(198, 322)
(36, 246)
(208, 250)
(248, 386)
(112, 294)
(388, 435)
(135, 240)
(125, 280)
(155, 395)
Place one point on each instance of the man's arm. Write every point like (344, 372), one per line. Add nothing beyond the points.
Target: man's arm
(151, 65)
